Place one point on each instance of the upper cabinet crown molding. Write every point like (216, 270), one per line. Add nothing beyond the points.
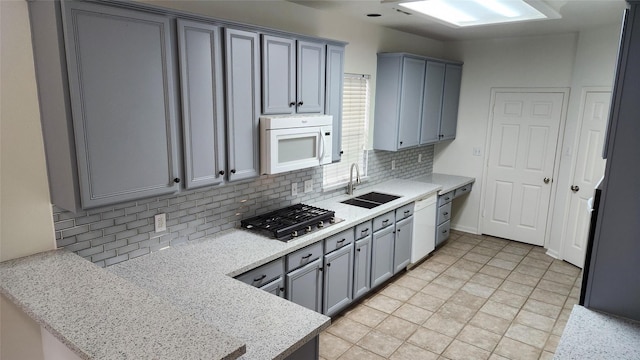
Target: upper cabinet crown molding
(416, 101)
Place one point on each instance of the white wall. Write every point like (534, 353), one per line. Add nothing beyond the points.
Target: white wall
(595, 66)
(26, 223)
(510, 62)
(570, 60)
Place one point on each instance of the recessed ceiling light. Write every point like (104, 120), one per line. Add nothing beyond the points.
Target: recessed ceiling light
(374, 15)
(482, 12)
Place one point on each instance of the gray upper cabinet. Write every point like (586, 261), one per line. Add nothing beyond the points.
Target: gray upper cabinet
(416, 101)
(411, 98)
(432, 107)
(202, 103)
(311, 77)
(121, 85)
(242, 59)
(293, 76)
(333, 95)
(278, 75)
(451, 97)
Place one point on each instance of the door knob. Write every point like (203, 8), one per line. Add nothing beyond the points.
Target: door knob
(546, 180)
(575, 188)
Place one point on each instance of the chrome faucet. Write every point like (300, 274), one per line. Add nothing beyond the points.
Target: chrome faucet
(351, 186)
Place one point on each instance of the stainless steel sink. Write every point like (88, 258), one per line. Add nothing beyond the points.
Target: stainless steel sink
(370, 200)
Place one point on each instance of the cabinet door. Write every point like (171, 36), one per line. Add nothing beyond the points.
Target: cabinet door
(362, 267)
(121, 83)
(276, 287)
(382, 256)
(432, 107)
(304, 286)
(333, 98)
(202, 103)
(402, 246)
(338, 280)
(411, 95)
(452, 81)
(311, 77)
(242, 58)
(278, 75)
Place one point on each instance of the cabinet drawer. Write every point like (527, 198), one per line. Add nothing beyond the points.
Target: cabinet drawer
(263, 274)
(462, 190)
(445, 198)
(442, 232)
(383, 221)
(444, 213)
(363, 230)
(338, 240)
(304, 256)
(404, 212)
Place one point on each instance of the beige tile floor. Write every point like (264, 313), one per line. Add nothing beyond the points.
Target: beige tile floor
(476, 297)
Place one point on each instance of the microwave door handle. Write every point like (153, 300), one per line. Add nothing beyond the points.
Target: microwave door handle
(323, 146)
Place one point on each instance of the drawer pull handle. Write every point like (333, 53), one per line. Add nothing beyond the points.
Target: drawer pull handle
(307, 256)
(407, 212)
(364, 231)
(445, 214)
(444, 231)
(340, 241)
(384, 222)
(260, 278)
(464, 189)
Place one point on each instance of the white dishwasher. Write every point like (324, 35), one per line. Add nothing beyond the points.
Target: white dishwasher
(424, 228)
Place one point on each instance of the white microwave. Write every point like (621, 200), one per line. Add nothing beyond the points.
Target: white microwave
(293, 142)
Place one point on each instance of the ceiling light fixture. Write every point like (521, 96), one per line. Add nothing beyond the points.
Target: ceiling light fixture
(462, 13)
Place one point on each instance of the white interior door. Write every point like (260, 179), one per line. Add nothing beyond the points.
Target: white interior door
(589, 169)
(522, 153)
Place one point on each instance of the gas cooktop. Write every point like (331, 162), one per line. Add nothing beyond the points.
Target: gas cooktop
(288, 223)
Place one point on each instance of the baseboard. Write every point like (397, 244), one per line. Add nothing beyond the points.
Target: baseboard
(467, 229)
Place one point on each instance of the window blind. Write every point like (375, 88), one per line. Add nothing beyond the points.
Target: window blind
(355, 123)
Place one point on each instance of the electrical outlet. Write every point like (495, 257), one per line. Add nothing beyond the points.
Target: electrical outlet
(308, 186)
(477, 151)
(160, 222)
(393, 164)
(419, 158)
(294, 189)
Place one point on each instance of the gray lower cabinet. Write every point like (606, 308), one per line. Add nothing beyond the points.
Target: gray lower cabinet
(275, 287)
(304, 285)
(202, 103)
(362, 267)
(338, 279)
(242, 59)
(402, 246)
(382, 245)
(122, 101)
(309, 351)
(333, 95)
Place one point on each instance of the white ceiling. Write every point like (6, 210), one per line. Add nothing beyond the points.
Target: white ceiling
(576, 15)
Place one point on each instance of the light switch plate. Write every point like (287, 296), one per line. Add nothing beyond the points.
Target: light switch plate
(308, 186)
(294, 189)
(477, 151)
(393, 164)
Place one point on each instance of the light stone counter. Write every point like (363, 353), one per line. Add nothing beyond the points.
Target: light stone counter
(98, 315)
(592, 335)
(184, 297)
(448, 182)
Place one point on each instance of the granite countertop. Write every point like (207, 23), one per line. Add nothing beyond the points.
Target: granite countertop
(99, 315)
(593, 335)
(185, 297)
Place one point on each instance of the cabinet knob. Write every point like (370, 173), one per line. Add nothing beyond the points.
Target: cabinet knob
(341, 152)
(328, 264)
(233, 171)
(221, 172)
(176, 180)
(292, 104)
(358, 250)
(300, 103)
(400, 142)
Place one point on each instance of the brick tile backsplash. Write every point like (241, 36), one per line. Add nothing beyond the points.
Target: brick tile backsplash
(110, 235)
